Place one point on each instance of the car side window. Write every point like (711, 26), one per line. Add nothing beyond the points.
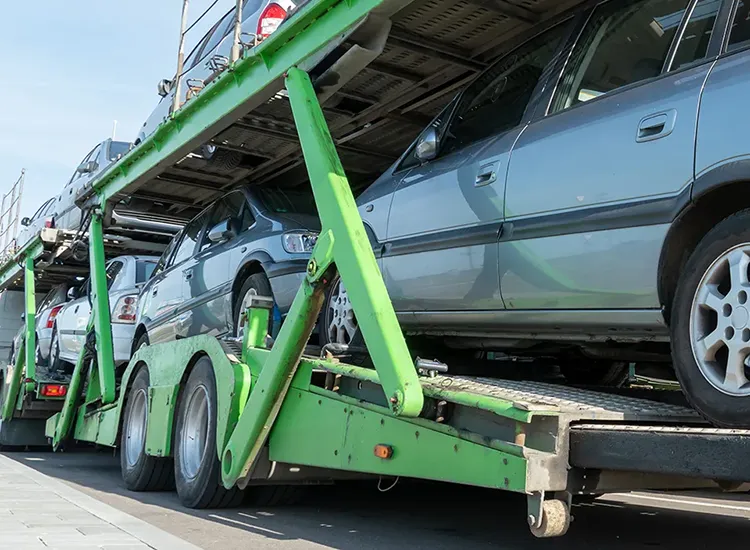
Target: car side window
(497, 100)
(113, 270)
(190, 235)
(623, 42)
(220, 31)
(229, 206)
(697, 34)
(739, 36)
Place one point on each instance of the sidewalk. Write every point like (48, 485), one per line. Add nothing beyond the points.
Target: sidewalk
(37, 511)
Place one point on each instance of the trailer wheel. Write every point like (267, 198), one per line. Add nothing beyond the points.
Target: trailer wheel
(197, 466)
(141, 472)
(555, 520)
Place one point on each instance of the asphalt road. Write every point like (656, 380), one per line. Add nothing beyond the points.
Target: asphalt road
(413, 516)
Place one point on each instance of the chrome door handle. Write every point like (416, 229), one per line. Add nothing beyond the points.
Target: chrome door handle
(656, 126)
(155, 291)
(487, 175)
(188, 274)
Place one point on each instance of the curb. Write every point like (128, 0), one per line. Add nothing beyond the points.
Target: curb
(143, 531)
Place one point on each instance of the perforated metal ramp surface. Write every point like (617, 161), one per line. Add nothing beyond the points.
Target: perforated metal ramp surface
(583, 404)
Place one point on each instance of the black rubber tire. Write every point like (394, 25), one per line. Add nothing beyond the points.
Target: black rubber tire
(205, 489)
(143, 340)
(262, 286)
(55, 363)
(149, 473)
(611, 374)
(718, 408)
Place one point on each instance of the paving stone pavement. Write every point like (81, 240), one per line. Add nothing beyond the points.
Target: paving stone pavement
(37, 511)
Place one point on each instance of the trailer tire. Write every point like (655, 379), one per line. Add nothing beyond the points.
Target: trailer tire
(141, 472)
(196, 464)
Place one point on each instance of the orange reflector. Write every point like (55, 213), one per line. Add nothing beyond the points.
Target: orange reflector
(383, 451)
(53, 390)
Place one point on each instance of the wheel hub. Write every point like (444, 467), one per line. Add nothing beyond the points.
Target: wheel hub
(342, 323)
(194, 436)
(719, 319)
(136, 428)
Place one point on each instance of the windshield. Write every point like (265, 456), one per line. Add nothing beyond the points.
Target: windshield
(143, 271)
(282, 201)
(117, 148)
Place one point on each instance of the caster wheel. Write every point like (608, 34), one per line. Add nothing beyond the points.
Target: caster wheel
(555, 520)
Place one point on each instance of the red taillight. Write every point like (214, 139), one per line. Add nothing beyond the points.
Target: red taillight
(49, 223)
(270, 20)
(53, 390)
(52, 316)
(124, 311)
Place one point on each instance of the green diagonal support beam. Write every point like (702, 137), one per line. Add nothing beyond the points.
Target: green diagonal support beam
(352, 251)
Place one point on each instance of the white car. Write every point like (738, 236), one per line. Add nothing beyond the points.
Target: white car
(125, 277)
(46, 313)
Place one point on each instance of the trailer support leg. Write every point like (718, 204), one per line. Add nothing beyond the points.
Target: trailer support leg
(30, 321)
(100, 311)
(343, 241)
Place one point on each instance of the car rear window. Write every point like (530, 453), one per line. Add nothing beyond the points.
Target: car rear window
(287, 201)
(143, 271)
(118, 148)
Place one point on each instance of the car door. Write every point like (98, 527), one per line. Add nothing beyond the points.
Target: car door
(594, 183)
(74, 318)
(68, 214)
(441, 250)
(207, 285)
(164, 300)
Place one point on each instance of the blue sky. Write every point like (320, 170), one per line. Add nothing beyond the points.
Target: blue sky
(72, 68)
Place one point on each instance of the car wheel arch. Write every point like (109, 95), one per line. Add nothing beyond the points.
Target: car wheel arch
(715, 196)
(251, 265)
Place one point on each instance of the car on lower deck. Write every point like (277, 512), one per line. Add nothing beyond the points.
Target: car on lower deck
(126, 275)
(46, 312)
(586, 198)
(252, 241)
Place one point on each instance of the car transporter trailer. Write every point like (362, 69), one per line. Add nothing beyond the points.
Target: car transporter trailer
(271, 416)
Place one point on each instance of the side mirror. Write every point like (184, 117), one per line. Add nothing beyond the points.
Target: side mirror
(427, 146)
(73, 293)
(26, 222)
(87, 167)
(164, 87)
(224, 231)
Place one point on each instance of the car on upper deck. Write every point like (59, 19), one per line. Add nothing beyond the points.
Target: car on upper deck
(585, 197)
(252, 241)
(211, 56)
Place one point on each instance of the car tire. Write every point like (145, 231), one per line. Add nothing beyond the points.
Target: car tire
(221, 159)
(710, 324)
(196, 464)
(141, 472)
(142, 341)
(40, 361)
(338, 323)
(55, 362)
(256, 284)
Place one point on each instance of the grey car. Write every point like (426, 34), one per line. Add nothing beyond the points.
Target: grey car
(585, 197)
(249, 242)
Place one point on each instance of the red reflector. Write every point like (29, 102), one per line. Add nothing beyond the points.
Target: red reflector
(383, 451)
(270, 20)
(52, 316)
(49, 223)
(54, 390)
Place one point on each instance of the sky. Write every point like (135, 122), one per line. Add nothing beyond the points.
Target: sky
(72, 69)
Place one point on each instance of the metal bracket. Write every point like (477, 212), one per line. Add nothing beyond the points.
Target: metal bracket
(534, 503)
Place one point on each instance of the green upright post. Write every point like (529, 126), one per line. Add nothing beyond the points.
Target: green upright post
(30, 317)
(344, 241)
(100, 311)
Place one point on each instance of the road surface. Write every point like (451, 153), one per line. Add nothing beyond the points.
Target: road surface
(428, 516)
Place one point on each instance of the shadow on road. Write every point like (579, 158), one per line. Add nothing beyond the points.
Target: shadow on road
(411, 515)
